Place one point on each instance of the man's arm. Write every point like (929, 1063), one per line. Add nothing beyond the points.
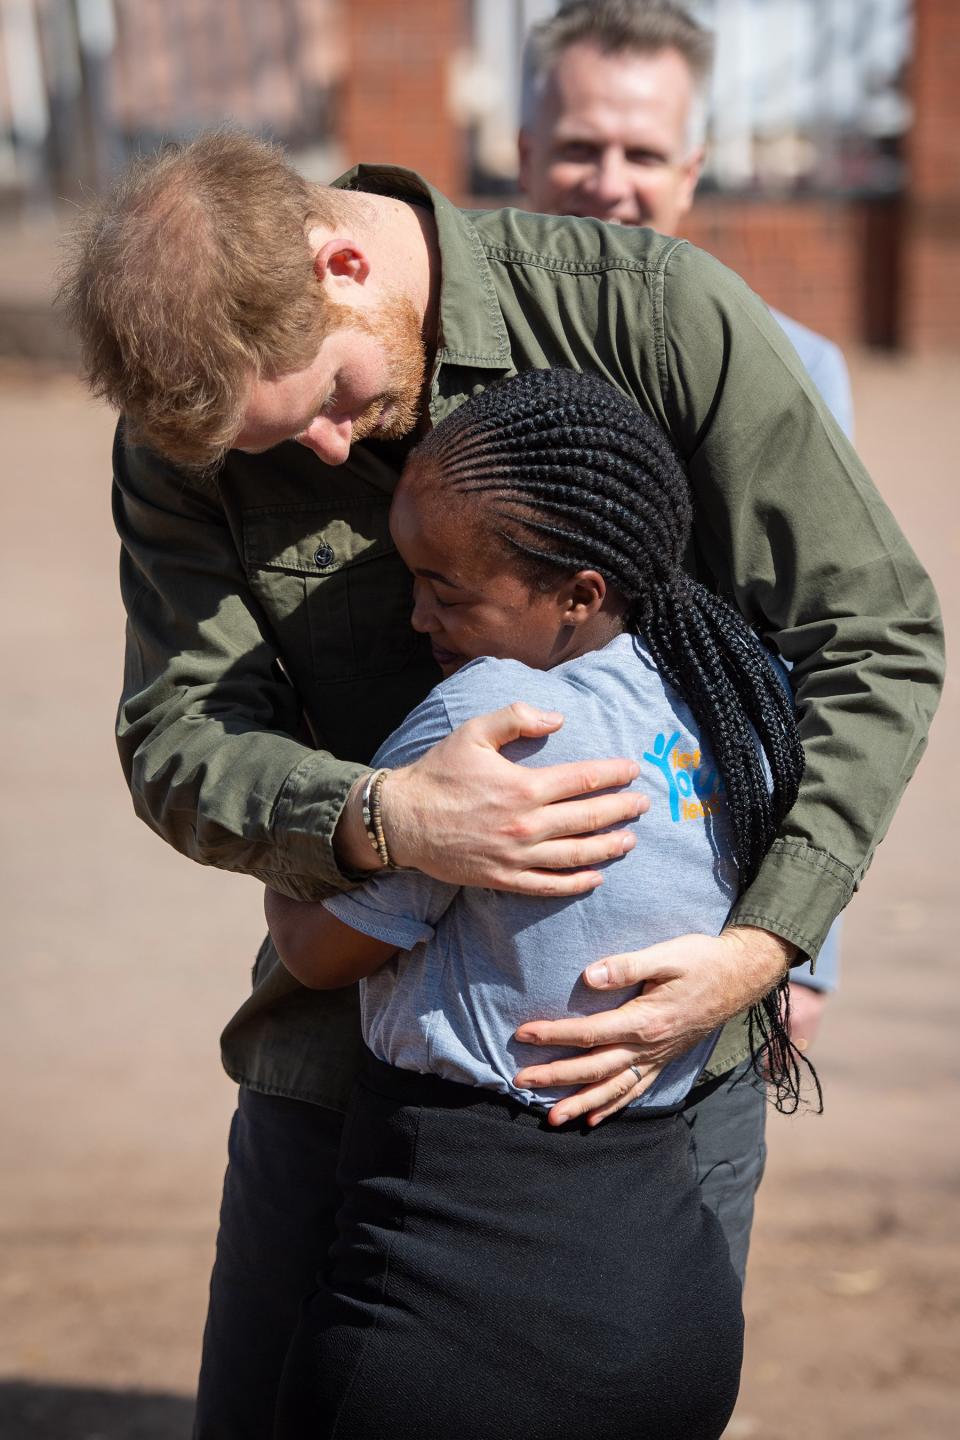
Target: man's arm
(208, 722)
(826, 367)
(790, 524)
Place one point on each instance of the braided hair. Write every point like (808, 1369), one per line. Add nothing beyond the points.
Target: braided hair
(573, 476)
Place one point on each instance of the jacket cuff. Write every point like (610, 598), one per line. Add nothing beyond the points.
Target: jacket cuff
(304, 819)
(824, 975)
(797, 894)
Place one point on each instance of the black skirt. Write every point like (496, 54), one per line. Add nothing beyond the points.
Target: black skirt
(494, 1276)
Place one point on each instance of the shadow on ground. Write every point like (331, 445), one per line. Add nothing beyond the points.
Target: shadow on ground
(65, 1412)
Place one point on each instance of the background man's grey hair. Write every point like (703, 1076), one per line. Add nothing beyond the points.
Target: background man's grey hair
(614, 26)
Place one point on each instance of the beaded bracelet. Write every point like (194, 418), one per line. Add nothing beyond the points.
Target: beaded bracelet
(372, 815)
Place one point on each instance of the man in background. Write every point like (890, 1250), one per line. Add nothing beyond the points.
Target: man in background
(613, 126)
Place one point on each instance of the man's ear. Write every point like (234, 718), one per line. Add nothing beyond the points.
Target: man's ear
(582, 597)
(339, 259)
(692, 167)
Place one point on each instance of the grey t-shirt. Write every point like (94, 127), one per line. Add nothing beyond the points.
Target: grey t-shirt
(474, 964)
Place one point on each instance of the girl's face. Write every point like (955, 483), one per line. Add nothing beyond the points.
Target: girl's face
(466, 597)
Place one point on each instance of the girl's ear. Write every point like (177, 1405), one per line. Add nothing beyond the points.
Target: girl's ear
(582, 596)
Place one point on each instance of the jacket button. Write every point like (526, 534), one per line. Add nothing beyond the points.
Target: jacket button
(323, 555)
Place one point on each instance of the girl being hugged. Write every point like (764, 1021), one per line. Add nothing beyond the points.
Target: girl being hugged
(499, 1271)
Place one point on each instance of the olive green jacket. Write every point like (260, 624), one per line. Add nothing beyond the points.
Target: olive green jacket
(269, 649)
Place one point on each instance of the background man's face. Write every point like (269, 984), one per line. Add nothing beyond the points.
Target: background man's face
(610, 139)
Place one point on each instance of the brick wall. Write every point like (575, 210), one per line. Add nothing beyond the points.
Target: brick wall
(881, 272)
(833, 265)
(931, 276)
(395, 101)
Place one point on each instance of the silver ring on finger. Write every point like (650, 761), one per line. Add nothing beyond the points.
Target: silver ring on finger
(637, 1071)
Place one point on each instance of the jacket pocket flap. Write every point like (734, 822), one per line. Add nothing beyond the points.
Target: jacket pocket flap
(310, 540)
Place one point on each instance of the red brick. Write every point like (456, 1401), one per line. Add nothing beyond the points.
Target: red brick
(394, 105)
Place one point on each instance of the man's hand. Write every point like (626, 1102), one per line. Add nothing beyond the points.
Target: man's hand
(691, 985)
(806, 1012)
(464, 814)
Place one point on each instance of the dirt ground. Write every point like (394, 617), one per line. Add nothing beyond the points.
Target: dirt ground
(123, 960)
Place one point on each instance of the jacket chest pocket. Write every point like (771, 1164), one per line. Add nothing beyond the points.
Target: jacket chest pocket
(337, 593)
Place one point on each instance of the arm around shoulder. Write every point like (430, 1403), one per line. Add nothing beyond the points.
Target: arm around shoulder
(790, 524)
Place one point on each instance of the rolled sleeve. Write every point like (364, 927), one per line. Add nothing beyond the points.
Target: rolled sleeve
(393, 929)
(798, 894)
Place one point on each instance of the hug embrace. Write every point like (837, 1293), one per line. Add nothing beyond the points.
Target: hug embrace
(498, 1270)
(518, 1195)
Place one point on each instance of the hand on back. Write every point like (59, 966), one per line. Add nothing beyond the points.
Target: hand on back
(464, 814)
(690, 987)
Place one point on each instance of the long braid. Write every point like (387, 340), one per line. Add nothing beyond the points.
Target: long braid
(574, 476)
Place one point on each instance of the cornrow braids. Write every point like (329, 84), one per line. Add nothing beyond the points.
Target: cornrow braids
(573, 476)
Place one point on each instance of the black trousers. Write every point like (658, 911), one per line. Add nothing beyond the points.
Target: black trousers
(277, 1225)
(277, 1218)
(494, 1276)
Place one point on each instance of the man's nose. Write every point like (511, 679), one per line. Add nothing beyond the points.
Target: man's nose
(328, 438)
(610, 177)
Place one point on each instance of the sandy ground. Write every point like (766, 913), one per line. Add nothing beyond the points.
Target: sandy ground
(123, 960)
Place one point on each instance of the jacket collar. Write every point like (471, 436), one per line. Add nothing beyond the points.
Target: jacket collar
(471, 327)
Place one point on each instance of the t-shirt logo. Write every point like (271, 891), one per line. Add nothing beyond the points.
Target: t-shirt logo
(693, 785)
